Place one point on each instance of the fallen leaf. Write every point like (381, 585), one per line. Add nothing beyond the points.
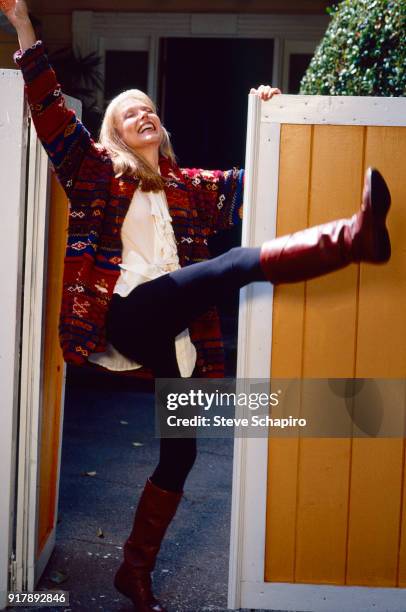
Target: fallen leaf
(100, 533)
(57, 577)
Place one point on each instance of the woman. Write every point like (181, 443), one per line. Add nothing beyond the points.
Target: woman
(127, 302)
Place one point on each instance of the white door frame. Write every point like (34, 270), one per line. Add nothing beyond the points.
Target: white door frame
(28, 567)
(31, 364)
(291, 47)
(247, 588)
(13, 156)
(101, 31)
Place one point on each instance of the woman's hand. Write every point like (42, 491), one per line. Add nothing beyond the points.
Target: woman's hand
(16, 12)
(265, 92)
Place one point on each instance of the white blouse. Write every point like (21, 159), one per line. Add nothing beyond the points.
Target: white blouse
(149, 251)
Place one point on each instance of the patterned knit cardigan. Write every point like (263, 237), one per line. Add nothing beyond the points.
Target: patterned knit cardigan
(200, 203)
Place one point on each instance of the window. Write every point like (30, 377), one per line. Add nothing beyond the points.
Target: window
(296, 58)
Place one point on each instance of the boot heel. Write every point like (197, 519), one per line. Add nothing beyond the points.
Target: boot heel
(380, 194)
(380, 204)
(121, 582)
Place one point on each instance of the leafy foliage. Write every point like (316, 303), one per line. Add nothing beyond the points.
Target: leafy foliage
(363, 52)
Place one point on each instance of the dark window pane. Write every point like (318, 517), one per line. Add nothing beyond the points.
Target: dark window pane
(298, 64)
(204, 93)
(125, 70)
(204, 97)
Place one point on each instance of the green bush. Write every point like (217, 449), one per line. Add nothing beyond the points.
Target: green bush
(363, 52)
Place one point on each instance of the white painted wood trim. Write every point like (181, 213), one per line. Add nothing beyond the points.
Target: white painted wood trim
(13, 154)
(75, 105)
(335, 110)
(319, 598)
(31, 385)
(98, 31)
(237, 495)
(208, 25)
(153, 67)
(254, 356)
(87, 24)
(31, 365)
(277, 62)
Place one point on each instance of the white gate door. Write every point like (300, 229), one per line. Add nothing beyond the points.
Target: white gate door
(24, 188)
(31, 364)
(13, 153)
(302, 153)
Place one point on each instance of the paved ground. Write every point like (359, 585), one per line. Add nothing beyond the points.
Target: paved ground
(102, 422)
(104, 417)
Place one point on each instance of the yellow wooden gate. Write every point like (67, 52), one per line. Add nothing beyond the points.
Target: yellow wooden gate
(335, 511)
(327, 511)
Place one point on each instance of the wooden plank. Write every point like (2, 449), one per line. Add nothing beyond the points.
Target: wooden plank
(401, 569)
(280, 536)
(331, 300)
(377, 527)
(53, 367)
(381, 348)
(329, 351)
(287, 331)
(374, 512)
(287, 324)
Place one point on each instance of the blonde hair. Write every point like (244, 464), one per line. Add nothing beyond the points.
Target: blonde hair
(126, 160)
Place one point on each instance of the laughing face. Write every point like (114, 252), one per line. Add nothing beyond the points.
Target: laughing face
(139, 126)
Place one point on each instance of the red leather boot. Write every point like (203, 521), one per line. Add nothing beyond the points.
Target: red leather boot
(325, 248)
(155, 511)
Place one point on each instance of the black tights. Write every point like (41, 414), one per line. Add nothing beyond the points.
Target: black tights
(143, 327)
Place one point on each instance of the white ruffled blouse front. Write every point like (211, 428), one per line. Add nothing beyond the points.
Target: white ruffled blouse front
(149, 251)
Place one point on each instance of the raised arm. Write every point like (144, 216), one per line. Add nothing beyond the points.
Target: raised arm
(17, 13)
(63, 136)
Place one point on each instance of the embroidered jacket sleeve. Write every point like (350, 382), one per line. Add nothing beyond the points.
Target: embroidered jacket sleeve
(63, 136)
(217, 195)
